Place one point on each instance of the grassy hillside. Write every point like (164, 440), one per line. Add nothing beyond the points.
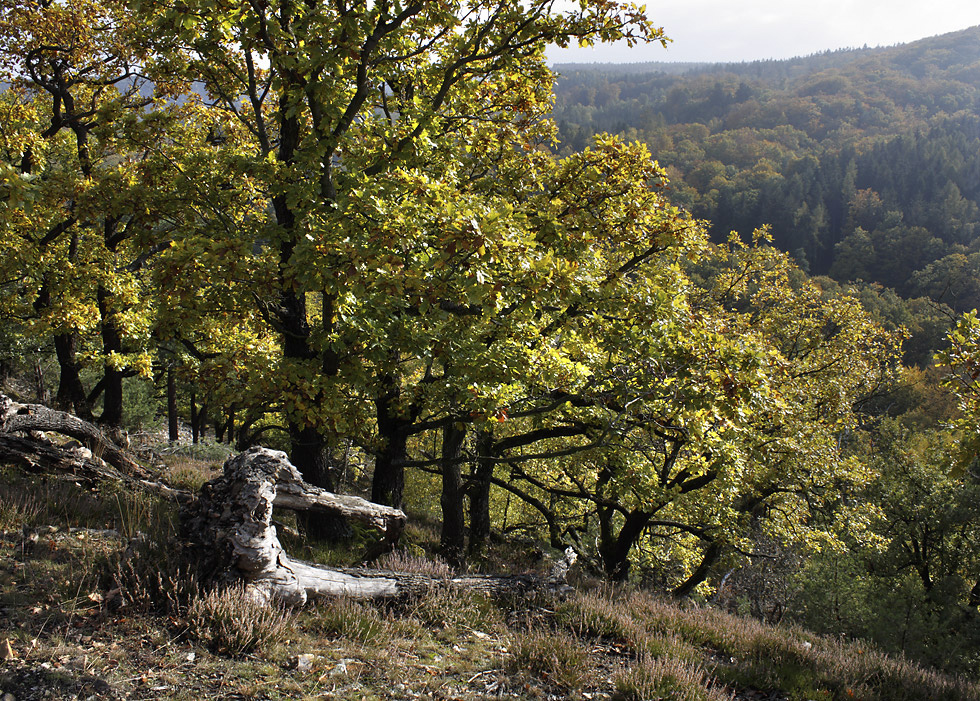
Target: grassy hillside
(98, 604)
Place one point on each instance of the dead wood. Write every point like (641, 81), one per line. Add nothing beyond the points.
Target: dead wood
(29, 418)
(99, 460)
(233, 537)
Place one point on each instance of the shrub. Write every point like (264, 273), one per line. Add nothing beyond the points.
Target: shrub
(233, 622)
(667, 678)
(553, 656)
(405, 561)
(596, 615)
(152, 574)
(154, 577)
(346, 618)
(18, 508)
(189, 473)
(450, 608)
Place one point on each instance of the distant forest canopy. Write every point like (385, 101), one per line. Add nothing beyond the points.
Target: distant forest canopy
(865, 162)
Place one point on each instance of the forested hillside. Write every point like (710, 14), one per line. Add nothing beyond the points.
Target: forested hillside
(866, 163)
(345, 231)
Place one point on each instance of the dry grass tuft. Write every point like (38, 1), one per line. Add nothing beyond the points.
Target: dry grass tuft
(189, 473)
(450, 609)
(19, 507)
(352, 620)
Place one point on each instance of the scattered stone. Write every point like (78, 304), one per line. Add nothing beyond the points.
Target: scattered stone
(303, 663)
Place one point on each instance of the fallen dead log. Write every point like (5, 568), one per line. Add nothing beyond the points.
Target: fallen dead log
(232, 537)
(29, 418)
(100, 461)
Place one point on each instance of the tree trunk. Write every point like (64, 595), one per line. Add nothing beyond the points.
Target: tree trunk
(80, 464)
(388, 482)
(40, 390)
(71, 395)
(173, 428)
(112, 399)
(452, 540)
(711, 555)
(614, 549)
(310, 450)
(479, 491)
(194, 425)
(199, 420)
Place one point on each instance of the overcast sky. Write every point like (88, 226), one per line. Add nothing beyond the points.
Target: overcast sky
(747, 30)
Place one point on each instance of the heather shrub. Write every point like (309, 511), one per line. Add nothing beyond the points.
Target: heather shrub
(667, 678)
(232, 622)
(554, 657)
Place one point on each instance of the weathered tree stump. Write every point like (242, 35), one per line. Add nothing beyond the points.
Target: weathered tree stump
(232, 536)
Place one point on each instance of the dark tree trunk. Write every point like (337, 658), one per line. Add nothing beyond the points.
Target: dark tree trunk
(452, 541)
(388, 482)
(479, 490)
(194, 425)
(311, 450)
(614, 549)
(71, 394)
(711, 555)
(199, 420)
(112, 400)
(40, 390)
(974, 599)
(173, 428)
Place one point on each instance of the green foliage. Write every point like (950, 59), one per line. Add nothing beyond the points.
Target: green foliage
(906, 579)
(363, 234)
(142, 408)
